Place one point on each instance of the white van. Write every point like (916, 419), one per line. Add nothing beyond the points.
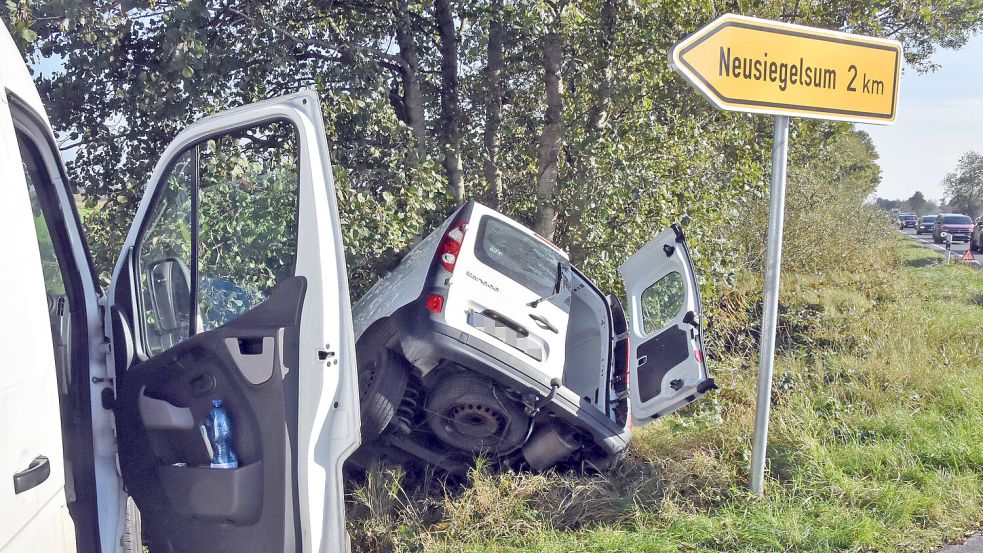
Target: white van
(484, 340)
(103, 395)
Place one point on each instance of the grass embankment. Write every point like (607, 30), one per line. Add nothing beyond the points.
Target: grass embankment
(876, 438)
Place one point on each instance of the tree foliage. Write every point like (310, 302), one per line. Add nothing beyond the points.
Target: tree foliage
(560, 112)
(964, 186)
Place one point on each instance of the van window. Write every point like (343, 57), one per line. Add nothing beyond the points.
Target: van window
(249, 187)
(518, 256)
(44, 206)
(165, 256)
(661, 302)
(223, 232)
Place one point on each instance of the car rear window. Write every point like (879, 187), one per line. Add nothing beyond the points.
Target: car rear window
(928, 219)
(957, 219)
(908, 217)
(517, 255)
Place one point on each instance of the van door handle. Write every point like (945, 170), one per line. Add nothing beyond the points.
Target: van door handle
(38, 471)
(543, 323)
(496, 316)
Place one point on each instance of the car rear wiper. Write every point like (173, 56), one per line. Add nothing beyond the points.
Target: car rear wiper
(557, 286)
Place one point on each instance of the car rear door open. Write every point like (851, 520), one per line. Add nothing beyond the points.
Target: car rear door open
(666, 365)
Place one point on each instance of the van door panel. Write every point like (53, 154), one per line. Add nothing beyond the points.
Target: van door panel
(284, 367)
(666, 367)
(481, 293)
(166, 469)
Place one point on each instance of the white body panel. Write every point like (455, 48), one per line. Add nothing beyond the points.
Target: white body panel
(401, 286)
(477, 286)
(36, 519)
(15, 81)
(659, 386)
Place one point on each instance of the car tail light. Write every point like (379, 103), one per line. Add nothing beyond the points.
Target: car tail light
(699, 355)
(435, 303)
(450, 245)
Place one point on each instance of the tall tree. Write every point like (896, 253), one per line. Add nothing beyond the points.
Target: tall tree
(551, 137)
(493, 104)
(411, 100)
(450, 108)
(917, 203)
(964, 186)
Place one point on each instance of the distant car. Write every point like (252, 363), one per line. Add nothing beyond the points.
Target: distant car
(976, 238)
(485, 340)
(955, 224)
(926, 223)
(907, 220)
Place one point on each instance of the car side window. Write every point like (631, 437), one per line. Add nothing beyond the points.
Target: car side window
(45, 206)
(249, 188)
(165, 258)
(223, 233)
(661, 302)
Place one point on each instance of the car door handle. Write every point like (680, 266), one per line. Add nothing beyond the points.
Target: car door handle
(38, 471)
(543, 323)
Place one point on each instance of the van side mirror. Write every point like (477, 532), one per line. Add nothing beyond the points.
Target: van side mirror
(170, 294)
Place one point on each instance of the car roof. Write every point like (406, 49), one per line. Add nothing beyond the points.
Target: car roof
(15, 78)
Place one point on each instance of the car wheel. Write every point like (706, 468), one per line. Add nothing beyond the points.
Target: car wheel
(381, 384)
(132, 540)
(474, 414)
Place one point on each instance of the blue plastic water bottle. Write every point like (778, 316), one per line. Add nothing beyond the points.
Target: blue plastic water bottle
(220, 435)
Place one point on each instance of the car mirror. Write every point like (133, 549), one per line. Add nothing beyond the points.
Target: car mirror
(170, 293)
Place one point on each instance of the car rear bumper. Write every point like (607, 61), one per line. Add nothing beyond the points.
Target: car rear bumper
(426, 341)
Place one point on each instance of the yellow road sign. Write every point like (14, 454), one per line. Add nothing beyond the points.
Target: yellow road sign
(747, 64)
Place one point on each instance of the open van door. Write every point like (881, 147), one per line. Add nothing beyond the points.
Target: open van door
(666, 365)
(231, 286)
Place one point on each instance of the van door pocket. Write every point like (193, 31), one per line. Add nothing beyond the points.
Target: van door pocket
(226, 495)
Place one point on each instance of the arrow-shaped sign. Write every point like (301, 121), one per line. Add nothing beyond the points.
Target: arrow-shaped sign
(746, 64)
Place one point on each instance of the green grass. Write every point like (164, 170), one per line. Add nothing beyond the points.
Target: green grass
(876, 438)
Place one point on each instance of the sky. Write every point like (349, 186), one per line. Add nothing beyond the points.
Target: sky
(940, 116)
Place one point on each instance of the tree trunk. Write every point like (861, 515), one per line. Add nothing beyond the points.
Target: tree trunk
(450, 109)
(548, 149)
(493, 109)
(597, 117)
(412, 97)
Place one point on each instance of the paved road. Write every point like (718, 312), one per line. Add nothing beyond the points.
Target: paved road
(972, 545)
(958, 248)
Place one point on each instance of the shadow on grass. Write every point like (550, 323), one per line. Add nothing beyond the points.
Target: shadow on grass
(921, 262)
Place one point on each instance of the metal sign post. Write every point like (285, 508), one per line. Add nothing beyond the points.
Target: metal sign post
(769, 323)
(759, 66)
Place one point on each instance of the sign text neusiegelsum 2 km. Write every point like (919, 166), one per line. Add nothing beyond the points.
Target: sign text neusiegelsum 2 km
(747, 64)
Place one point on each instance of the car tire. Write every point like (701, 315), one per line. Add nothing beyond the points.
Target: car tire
(132, 540)
(381, 384)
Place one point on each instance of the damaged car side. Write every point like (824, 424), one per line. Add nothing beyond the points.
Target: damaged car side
(484, 340)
